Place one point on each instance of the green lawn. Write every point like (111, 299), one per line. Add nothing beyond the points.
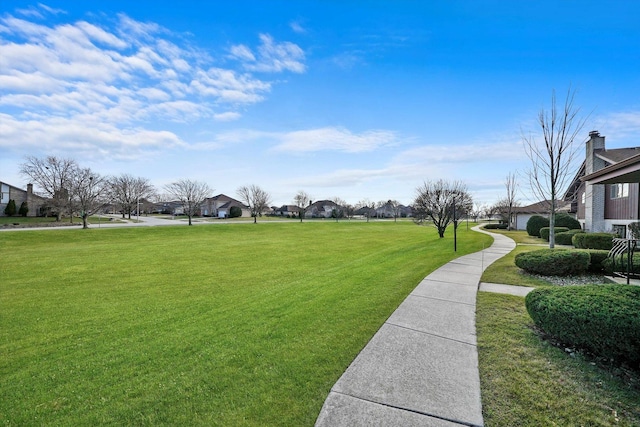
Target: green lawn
(526, 381)
(209, 325)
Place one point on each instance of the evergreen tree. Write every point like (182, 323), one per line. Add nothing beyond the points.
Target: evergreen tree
(10, 210)
(24, 209)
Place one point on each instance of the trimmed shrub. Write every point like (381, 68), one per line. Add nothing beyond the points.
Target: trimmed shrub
(602, 241)
(535, 223)
(602, 319)
(545, 231)
(596, 259)
(566, 220)
(553, 262)
(501, 226)
(565, 237)
(235, 212)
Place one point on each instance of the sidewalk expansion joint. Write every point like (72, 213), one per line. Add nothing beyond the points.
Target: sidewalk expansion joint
(443, 299)
(415, 411)
(430, 334)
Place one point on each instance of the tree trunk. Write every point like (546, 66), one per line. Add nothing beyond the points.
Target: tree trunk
(85, 224)
(189, 219)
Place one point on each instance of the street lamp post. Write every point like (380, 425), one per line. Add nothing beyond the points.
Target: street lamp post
(455, 227)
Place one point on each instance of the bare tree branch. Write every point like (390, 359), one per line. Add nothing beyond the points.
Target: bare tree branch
(435, 200)
(256, 198)
(302, 200)
(553, 162)
(191, 194)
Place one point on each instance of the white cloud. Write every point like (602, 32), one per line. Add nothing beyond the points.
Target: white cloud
(272, 57)
(100, 84)
(228, 116)
(620, 125)
(297, 27)
(242, 52)
(87, 140)
(335, 139)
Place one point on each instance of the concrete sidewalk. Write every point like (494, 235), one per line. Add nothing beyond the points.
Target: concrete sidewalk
(421, 367)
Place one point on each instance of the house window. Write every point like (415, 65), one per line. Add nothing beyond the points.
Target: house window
(584, 197)
(619, 190)
(620, 230)
(4, 193)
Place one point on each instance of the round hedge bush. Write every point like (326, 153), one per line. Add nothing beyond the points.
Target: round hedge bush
(545, 231)
(603, 319)
(554, 262)
(535, 223)
(235, 212)
(565, 237)
(602, 241)
(566, 220)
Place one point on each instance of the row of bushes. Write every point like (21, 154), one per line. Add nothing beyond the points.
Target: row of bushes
(564, 262)
(602, 319)
(496, 226)
(568, 232)
(537, 222)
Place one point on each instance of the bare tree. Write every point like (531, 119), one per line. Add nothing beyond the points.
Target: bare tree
(302, 200)
(553, 161)
(126, 191)
(256, 198)
(339, 211)
(191, 194)
(395, 206)
(442, 202)
(87, 191)
(52, 176)
(366, 206)
(511, 185)
(479, 209)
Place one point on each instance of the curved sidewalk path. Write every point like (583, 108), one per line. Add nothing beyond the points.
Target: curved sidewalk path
(421, 367)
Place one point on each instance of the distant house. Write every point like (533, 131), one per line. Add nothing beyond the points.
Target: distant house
(321, 209)
(285, 210)
(35, 203)
(520, 215)
(220, 206)
(388, 211)
(606, 189)
(173, 207)
(365, 212)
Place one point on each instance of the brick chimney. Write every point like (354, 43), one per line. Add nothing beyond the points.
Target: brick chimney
(594, 194)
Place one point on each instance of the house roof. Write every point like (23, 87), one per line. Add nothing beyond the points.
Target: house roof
(616, 155)
(619, 160)
(627, 170)
(287, 208)
(542, 207)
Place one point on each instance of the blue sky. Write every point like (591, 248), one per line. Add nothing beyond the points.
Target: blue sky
(350, 99)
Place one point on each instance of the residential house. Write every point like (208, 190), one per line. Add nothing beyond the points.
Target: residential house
(173, 207)
(389, 211)
(8, 192)
(285, 210)
(520, 215)
(321, 209)
(606, 190)
(365, 212)
(220, 206)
